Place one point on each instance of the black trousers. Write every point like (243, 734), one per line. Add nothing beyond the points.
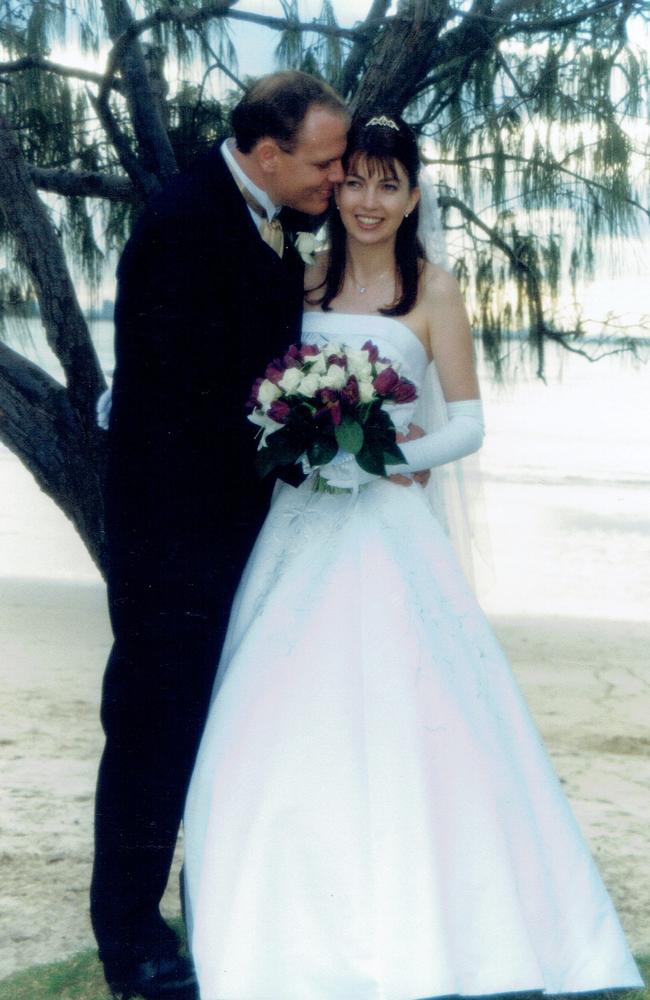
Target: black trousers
(155, 699)
(154, 703)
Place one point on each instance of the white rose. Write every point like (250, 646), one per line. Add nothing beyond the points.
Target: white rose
(334, 378)
(366, 392)
(317, 364)
(310, 385)
(305, 244)
(357, 359)
(267, 392)
(358, 364)
(381, 366)
(290, 380)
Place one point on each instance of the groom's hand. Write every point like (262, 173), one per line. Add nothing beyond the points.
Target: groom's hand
(423, 477)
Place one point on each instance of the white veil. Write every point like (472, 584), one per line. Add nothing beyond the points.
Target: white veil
(454, 489)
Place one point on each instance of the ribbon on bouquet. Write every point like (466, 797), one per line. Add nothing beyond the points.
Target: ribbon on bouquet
(342, 475)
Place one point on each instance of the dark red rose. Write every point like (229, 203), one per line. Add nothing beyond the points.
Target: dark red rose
(350, 391)
(336, 413)
(309, 351)
(386, 382)
(405, 391)
(373, 351)
(252, 401)
(279, 411)
(337, 359)
(292, 357)
(330, 405)
(275, 371)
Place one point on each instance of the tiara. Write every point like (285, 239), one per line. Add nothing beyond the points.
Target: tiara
(384, 122)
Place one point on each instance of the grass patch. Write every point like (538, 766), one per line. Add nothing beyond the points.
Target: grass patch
(77, 978)
(80, 978)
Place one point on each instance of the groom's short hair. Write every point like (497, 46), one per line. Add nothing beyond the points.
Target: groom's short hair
(276, 106)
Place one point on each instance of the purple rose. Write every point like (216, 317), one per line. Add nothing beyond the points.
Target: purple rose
(386, 382)
(350, 391)
(373, 351)
(405, 392)
(309, 351)
(279, 411)
(337, 359)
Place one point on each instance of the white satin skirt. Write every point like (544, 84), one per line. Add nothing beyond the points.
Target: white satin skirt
(372, 815)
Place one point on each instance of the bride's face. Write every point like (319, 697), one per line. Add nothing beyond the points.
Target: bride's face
(373, 200)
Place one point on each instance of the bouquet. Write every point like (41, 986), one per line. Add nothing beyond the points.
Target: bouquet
(317, 403)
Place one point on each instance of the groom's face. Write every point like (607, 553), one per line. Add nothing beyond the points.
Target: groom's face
(304, 178)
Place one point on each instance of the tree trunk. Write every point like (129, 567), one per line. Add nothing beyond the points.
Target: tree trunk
(38, 424)
(52, 428)
(402, 57)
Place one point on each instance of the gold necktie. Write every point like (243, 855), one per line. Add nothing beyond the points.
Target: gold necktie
(271, 230)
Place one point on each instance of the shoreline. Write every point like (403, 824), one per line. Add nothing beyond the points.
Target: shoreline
(583, 679)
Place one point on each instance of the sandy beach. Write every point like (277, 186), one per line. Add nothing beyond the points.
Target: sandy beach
(586, 682)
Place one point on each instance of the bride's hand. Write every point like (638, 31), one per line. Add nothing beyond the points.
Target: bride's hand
(422, 477)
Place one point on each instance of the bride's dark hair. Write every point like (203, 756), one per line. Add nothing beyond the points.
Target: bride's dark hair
(382, 141)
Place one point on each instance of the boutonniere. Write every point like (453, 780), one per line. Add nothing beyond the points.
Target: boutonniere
(305, 244)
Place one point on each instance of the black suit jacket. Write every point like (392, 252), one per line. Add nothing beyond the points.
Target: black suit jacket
(202, 306)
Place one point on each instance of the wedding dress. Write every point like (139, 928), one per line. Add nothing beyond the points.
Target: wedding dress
(372, 815)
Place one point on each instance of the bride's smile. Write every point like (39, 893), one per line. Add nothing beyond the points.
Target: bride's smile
(374, 198)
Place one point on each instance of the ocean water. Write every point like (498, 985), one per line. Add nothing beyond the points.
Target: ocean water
(566, 469)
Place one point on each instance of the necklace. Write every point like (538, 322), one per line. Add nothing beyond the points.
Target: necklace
(362, 289)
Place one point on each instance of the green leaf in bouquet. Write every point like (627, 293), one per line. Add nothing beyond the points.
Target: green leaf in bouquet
(393, 454)
(284, 447)
(349, 435)
(322, 451)
(371, 458)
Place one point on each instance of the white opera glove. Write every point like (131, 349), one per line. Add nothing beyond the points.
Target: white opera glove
(461, 436)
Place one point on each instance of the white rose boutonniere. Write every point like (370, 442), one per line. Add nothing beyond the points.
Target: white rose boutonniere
(305, 244)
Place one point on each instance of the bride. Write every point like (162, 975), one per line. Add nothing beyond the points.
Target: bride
(372, 815)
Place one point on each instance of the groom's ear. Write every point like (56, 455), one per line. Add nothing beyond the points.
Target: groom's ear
(267, 153)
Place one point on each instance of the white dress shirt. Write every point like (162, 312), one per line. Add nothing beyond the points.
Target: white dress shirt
(261, 196)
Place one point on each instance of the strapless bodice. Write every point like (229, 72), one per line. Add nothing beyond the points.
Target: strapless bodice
(393, 338)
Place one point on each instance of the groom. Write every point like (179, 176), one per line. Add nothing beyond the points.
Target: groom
(209, 290)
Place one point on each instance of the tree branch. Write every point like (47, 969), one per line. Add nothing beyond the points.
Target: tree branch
(83, 184)
(449, 201)
(156, 150)
(194, 18)
(145, 183)
(531, 161)
(31, 62)
(552, 24)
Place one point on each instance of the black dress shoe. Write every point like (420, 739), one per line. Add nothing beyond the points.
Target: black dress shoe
(158, 979)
